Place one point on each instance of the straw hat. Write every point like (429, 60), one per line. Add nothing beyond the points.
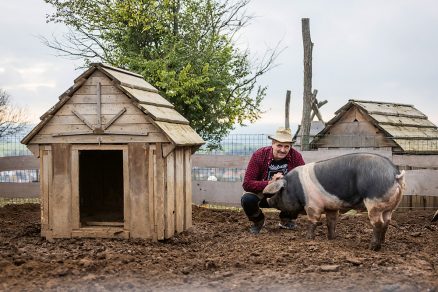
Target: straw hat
(282, 135)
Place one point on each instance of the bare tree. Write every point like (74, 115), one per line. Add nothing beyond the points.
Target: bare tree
(12, 118)
(307, 95)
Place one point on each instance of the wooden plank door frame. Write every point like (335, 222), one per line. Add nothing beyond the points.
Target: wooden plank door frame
(76, 224)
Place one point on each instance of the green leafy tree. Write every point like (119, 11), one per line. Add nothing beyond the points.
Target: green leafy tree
(12, 118)
(184, 48)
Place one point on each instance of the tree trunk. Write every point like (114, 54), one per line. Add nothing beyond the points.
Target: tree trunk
(176, 8)
(307, 94)
(286, 108)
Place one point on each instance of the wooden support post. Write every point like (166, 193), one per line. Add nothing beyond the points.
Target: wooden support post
(286, 114)
(307, 94)
(99, 106)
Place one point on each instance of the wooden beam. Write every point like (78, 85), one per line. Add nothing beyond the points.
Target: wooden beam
(72, 133)
(139, 190)
(84, 120)
(101, 232)
(187, 188)
(179, 189)
(99, 106)
(159, 192)
(46, 175)
(118, 115)
(315, 107)
(18, 163)
(169, 203)
(220, 161)
(126, 188)
(321, 103)
(60, 196)
(151, 173)
(124, 133)
(167, 148)
(35, 149)
(75, 199)
(19, 190)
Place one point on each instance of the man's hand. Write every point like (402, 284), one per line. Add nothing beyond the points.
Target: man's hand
(276, 176)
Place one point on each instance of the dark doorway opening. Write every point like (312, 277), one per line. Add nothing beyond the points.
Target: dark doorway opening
(101, 187)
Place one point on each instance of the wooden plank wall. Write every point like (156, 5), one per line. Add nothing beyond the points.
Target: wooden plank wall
(354, 130)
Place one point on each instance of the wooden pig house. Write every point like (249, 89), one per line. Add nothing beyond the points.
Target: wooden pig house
(380, 125)
(115, 160)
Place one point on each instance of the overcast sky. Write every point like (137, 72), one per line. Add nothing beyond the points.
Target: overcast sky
(363, 49)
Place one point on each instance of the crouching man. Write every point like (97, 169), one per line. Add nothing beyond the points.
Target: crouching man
(268, 164)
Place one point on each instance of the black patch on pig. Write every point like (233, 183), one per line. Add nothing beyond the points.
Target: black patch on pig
(294, 185)
(353, 177)
(293, 198)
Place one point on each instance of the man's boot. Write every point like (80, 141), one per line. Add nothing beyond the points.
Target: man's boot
(257, 226)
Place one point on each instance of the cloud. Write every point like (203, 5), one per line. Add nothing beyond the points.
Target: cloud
(16, 75)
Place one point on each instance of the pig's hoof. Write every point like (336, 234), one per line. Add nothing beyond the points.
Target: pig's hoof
(331, 237)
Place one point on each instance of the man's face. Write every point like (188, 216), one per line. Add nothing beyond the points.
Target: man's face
(280, 149)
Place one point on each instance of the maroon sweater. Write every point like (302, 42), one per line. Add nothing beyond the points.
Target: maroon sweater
(256, 175)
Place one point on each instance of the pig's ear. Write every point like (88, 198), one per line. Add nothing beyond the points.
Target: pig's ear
(274, 187)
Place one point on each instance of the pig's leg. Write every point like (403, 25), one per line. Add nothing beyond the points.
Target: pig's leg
(314, 216)
(386, 220)
(331, 217)
(376, 220)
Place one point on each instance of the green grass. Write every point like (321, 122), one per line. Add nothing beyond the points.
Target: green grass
(16, 201)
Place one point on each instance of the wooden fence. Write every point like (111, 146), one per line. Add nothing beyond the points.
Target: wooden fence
(15, 189)
(421, 177)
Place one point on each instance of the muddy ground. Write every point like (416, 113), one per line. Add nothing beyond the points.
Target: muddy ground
(218, 254)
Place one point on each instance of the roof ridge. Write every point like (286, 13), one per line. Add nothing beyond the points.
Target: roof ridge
(380, 102)
(422, 116)
(117, 69)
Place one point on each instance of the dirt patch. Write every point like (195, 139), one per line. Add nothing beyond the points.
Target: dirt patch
(218, 253)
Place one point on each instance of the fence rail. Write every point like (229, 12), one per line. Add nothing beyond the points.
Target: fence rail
(19, 177)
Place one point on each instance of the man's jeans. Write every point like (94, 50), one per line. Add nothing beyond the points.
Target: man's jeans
(251, 204)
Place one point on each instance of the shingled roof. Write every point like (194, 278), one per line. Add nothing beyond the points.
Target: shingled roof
(405, 125)
(145, 96)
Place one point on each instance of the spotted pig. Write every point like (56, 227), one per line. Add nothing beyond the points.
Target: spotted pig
(345, 182)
